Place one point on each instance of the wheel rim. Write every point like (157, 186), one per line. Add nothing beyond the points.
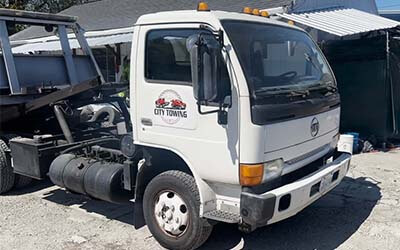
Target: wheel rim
(171, 213)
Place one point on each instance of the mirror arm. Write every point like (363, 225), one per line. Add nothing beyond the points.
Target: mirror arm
(220, 37)
(226, 103)
(206, 112)
(222, 113)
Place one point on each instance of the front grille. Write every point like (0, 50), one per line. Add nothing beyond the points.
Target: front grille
(307, 155)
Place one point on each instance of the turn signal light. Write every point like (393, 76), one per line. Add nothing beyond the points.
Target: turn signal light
(264, 13)
(247, 10)
(256, 12)
(251, 175)
(290, 22)
(202, 6)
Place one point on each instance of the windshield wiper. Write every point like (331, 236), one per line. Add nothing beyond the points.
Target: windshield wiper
(273, 90)
(303, 93)
(323, 86)
(280, 91)
(332, 88)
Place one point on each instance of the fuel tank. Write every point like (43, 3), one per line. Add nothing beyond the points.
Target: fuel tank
(95, 178)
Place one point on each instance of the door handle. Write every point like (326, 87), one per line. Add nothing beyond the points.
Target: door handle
(147, 122)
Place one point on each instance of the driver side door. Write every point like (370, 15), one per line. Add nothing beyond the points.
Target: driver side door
(166, 111)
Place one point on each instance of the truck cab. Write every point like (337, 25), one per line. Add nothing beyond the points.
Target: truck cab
(259, 129)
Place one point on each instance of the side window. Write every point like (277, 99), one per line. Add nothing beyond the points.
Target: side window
(167, 58)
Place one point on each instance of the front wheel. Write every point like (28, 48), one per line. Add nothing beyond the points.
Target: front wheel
(171, 206)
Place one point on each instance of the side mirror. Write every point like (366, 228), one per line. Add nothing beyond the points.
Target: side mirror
(205, 54)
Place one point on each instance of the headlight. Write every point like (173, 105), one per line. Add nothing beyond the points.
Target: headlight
(255, 174)
(273, 170)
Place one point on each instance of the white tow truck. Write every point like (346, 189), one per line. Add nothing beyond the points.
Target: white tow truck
(235, 118)
(259, 125)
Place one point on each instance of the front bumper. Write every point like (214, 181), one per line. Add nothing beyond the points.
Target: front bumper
(286, 201)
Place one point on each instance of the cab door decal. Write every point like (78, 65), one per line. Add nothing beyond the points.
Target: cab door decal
(172, 109)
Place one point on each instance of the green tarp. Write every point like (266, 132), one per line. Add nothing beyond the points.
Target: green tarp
(369, 83)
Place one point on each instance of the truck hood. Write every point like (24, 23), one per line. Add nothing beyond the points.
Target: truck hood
(301, 140)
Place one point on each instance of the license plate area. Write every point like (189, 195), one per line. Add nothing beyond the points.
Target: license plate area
(324, 183)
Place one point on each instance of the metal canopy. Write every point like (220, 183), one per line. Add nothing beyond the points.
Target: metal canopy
(56, 46)
(341, 22)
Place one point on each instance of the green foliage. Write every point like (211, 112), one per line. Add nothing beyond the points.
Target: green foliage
(48, 6)
(13, 4)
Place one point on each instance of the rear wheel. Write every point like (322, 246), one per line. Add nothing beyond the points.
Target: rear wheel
(7, 176)
(171, 205)
(20, 181)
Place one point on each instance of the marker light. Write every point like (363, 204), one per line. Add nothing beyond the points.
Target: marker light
(202, 6)
(255, 174)
(256, 12)
(251, 175)
(290, 22)
(247, 10)
(264, 13)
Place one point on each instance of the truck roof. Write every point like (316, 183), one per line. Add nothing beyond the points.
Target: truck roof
(18, 15)
(194, 16)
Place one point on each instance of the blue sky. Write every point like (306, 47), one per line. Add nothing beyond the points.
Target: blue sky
(388, 4)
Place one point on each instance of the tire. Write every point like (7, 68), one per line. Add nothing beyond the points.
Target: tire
(20, 181)
(7, 176)
(183, 186)
(7, 137)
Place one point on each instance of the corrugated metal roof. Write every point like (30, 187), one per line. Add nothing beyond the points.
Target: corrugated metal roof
(342, 22)
(56, 46)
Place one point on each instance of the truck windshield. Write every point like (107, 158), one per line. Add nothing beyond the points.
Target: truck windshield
(278, 60)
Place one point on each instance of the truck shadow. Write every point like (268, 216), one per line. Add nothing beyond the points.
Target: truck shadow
(119, 212)
(324, 225)
(31, 188)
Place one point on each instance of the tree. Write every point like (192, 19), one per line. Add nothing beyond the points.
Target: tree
(13, 4)
(53, 6)
(48, 6)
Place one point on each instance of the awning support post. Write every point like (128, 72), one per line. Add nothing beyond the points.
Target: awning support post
(389, 78)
